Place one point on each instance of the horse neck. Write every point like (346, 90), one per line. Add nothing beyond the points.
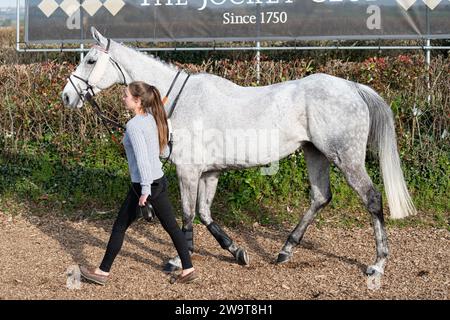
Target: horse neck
(140, 67)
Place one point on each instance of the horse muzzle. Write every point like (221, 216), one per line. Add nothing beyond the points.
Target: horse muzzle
(71, 99)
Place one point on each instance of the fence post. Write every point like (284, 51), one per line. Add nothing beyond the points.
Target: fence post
(18, 25)
(82, 52)
(258, 62)
(428, 62)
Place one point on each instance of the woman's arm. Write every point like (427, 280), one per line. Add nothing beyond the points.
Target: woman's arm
(142, 158)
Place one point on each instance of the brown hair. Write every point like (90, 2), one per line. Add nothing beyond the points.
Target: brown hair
(152, 103)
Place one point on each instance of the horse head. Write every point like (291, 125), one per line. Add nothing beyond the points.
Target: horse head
(96, 72)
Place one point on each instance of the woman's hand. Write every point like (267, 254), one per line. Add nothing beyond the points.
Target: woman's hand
(143, 200)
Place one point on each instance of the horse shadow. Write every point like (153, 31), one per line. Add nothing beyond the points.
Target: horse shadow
(279, 234)
(310, 245)
(254, 247)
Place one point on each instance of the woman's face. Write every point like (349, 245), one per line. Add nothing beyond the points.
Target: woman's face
(131, 103)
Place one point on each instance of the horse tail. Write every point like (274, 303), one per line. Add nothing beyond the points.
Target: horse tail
(382, 137)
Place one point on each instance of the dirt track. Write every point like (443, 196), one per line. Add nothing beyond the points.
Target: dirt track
(36, 251)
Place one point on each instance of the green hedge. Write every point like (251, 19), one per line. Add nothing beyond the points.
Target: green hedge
(64, 158)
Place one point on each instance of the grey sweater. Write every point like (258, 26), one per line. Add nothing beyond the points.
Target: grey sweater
(142, 148)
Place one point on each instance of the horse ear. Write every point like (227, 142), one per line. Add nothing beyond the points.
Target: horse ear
(101, 40)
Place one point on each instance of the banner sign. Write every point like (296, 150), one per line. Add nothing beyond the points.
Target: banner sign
(60, 21)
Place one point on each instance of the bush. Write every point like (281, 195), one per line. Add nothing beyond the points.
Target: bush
(50, 153)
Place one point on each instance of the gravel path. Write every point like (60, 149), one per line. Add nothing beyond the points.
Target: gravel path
(35, 253)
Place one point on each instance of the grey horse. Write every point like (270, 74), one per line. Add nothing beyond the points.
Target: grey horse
(331, 119)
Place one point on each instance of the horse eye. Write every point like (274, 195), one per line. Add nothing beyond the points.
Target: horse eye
(91, 61)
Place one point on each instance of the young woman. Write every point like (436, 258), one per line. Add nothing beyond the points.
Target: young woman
(145, 139)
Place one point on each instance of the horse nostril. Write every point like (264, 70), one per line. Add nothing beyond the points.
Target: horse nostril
(66, 98)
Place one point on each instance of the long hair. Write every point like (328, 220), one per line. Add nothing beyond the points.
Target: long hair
(152, 103)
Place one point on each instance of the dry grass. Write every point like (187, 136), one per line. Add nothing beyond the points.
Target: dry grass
(7, 37)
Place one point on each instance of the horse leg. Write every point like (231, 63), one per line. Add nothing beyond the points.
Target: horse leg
(319, 178)
(206, 191)
(359, 180)
(188, 179)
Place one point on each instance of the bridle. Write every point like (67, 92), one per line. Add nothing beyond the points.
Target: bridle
(88, 94)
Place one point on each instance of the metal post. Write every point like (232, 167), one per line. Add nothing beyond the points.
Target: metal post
(428, 62)
(82, 52)
(82, 35)
(258, 44)
(428, 54)
(258, 62)
(18, 26)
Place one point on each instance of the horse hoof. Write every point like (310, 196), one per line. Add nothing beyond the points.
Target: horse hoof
(169, 268)
(242, 257)
(283, 258)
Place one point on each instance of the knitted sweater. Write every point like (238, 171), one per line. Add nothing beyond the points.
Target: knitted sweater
(142, 149)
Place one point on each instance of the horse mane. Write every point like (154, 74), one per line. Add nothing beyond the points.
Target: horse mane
(150, 56)
(174, 67)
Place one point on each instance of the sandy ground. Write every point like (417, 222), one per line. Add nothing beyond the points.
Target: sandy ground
(35, 253)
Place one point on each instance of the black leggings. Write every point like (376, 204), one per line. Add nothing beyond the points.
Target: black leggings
(163, 208)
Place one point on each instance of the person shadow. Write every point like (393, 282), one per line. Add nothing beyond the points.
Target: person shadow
(74, 241)
(20, 168)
